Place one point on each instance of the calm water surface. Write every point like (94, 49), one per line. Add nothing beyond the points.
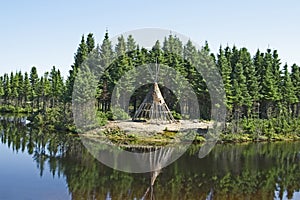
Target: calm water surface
(36, 164)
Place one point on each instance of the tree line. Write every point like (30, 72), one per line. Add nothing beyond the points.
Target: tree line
(257, 87)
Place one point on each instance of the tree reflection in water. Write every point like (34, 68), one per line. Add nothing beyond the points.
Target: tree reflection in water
(252, 171)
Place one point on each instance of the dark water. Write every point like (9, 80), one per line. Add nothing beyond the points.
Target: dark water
(35, 164)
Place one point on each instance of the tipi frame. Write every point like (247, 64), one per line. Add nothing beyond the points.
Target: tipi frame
(154, 107)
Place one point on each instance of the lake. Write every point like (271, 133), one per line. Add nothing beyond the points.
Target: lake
(36, 164)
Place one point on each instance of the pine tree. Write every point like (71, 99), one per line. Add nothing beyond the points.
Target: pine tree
(80, 57)
(82, 53)
(83, 98)
(251, 78)
(7, 89)
(40, 92)
(106, 52)
(225, 68)
(156, 53)
(46, 91)
(120, 48)
(192, 59)
(258, 62)
(34, 81)
(90, 43)
(276, 72)
(1, 89)
(295, 76)
(15, 88)
(106, 57)
(288, 90)
(21, 86)
(234, 58)
(26, 89)
(130, 44)
(269, 90)
(173, 45)
(241, 96)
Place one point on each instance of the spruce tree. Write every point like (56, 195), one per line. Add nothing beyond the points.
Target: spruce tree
(20, 88)
(225, 69)
(130, 44)
(242, 99)
(81, 54)
(106, 58)
(46, 90)
(34, 81)
(288, 90)
(295, 76)
(79, 58)
(15, 89)
(1, 89)
(7, 89)
(251, 78)
(26, 89)
(90, 43)
(173, 44)
(120, 48)
(269, 90)
(83, 98)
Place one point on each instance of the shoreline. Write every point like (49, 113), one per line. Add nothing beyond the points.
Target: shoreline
(168, 137)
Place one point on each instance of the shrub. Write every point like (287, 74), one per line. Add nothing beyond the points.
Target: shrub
(176, 115)
(118, 114)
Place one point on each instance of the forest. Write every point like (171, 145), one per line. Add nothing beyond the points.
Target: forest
(262, 94)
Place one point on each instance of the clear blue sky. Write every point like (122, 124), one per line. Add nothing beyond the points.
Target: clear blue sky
(46, 33)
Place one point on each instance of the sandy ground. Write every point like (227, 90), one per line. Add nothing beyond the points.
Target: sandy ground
(146, 127)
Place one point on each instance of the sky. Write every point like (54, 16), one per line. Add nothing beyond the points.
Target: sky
(47, 33)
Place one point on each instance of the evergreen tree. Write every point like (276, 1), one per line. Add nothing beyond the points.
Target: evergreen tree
(269, 90)
(191, 60)
(83, 98)
(251, 77)
(20, 88)
(241, 97)
(80, 57)
(295, 76)
(258, 62)
(276, 72)
(156, 53)
(7, 89)
(1, 89)
(225, 68)
(173, 45)
(106, 52)
(82, 52)
(15, 88)
(130, 44)
(26, 88)
(120, 47)
(106, 57)
(90, 43)
(234, 58)
(288, 90)
(34, 81)
(46, 91)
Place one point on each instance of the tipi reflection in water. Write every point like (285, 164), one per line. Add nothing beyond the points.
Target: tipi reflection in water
(158, 158)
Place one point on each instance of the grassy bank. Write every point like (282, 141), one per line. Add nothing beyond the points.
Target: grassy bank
(120, 137)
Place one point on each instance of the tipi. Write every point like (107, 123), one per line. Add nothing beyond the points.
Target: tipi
(154, 107)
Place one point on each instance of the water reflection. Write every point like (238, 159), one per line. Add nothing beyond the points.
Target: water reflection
(249, 171)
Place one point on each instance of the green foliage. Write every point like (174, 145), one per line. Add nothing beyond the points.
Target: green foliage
(117, 113)
(256, 88)
(176, 115)
(101, 118)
